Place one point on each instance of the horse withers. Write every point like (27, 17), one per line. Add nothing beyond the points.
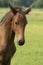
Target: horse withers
(13, 23)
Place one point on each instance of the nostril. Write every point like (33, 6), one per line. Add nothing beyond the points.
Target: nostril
(21, 42)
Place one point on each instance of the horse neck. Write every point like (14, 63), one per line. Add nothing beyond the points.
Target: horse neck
(12, 36)
(6, 25)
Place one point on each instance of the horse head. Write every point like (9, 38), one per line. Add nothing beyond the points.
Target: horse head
(19, 22)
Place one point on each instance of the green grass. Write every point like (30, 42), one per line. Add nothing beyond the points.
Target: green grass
(32, 51)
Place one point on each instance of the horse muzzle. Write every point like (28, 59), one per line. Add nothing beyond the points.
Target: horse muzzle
(21, 42)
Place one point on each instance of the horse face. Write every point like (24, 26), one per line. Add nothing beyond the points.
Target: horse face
(18, 23)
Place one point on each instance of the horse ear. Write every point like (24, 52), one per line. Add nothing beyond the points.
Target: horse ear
(13, 9)
(27, 11)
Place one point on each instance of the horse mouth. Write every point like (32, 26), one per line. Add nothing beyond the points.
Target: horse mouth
(21, 42)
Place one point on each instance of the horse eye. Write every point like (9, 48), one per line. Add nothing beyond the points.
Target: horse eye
(16, 23)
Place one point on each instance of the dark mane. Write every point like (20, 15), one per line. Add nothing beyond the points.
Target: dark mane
(4, 18)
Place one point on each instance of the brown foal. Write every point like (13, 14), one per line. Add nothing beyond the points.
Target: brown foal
(13, 23)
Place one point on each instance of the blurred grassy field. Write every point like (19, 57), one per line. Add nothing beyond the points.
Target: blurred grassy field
(32, 52)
